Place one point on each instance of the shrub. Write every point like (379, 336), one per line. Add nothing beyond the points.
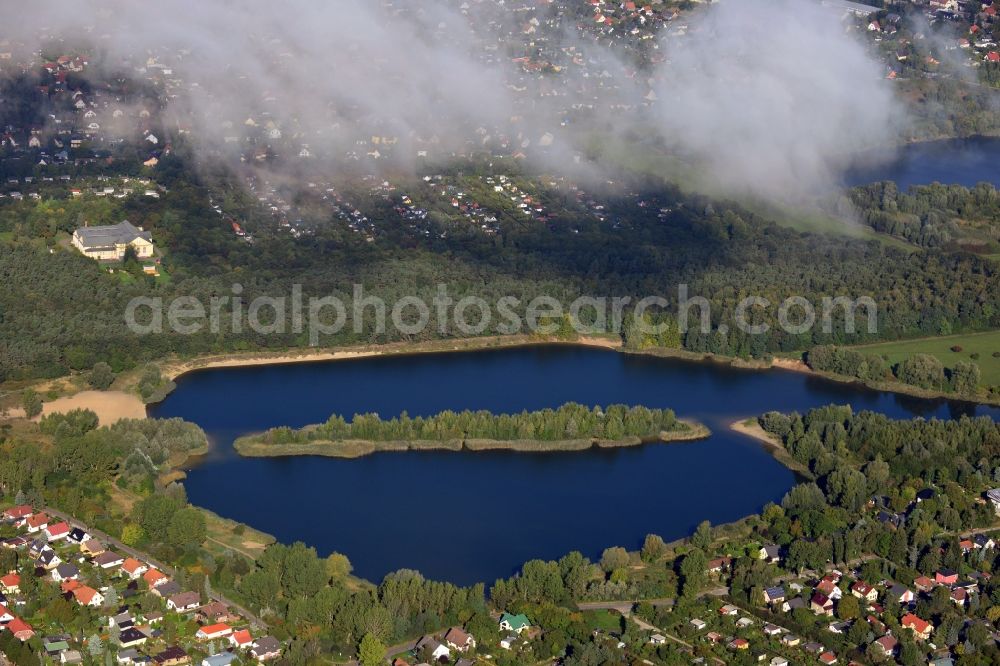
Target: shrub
(956, 348)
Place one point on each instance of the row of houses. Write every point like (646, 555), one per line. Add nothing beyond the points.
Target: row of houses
(68, 556)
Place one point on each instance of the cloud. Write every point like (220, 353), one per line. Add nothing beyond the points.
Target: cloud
(770, 96)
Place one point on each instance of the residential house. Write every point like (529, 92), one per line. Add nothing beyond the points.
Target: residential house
(56, 532)
(18, 514)
(131, 637)
(109, 560)
(241, 638)
(133, 568)
(983, 541)
(657, 639)
(154, 578)
(215, 612)
(900, 593)
(515, 623)
(821, 604)
(172, 656)
(887, 646)
(71, 657)
(774, 595)
(828, 658)
(719, 565)
(109, 243)
(508, 642)
(213, 631)
(699, 625)
(184, 601)
(5, 615)
(36, 523)
(457, 639)
(48, 559)
(778, 661)
(770, 553)
(65, 572)
(924, 584)
(167, 589)
(772, 629)
(265, 649)
(921, 628)
(739, 644)
(88, 596)
(729, 610)
(221, 659)
(946, 577)
(994, 497)
(77, 535)
(11, 583)
(863, 590)
(433, 647)
(22, 630)
(92, 547)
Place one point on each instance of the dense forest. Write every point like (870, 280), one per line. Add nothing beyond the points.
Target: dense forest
(570, 421)
(933, 216)
(60, 312)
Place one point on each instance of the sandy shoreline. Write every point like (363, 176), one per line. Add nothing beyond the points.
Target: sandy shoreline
(773, 445)
(173, 370)
(110, 406)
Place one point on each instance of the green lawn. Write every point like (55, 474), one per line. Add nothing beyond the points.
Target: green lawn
(606, 620)
(983, 343)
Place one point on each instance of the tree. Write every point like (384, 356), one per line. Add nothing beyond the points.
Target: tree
(371, 651)
(32, 403)
(848, 607)
(101, 376)
(132, 534)
(692, 570)
(965, 378)
(338, 567)
(613, 558)
(702, 537)
(187, 527)
(652, 548)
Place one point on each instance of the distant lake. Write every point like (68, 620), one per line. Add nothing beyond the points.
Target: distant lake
(952, 162)
(469, 517)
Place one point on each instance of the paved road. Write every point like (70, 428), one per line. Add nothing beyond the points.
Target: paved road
(255, 621)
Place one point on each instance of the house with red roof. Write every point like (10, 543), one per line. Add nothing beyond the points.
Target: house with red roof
(863, 590)
(921, 628)
(828, 658)
(58, 531)
(88, 596)
(133, 568)
(924, 584)
(887, 645)
(5, 615)
(22, 630)
(18, 514)
(821, 604)
(946, 577)
(213, 631)
(241, 638)
(154, 578)
(36, 522)
(11, 583)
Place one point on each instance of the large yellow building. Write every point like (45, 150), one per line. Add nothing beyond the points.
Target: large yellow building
(109, 243)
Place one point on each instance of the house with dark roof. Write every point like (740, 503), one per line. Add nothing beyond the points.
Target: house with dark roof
(109, 243)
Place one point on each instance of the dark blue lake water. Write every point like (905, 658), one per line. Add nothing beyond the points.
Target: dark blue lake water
(953, 162)
(468, 517)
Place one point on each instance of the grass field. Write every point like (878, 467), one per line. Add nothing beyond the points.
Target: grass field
(982, 343)
(607, 621)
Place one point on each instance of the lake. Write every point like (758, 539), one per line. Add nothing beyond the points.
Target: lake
(953, 162)
(469, 517)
